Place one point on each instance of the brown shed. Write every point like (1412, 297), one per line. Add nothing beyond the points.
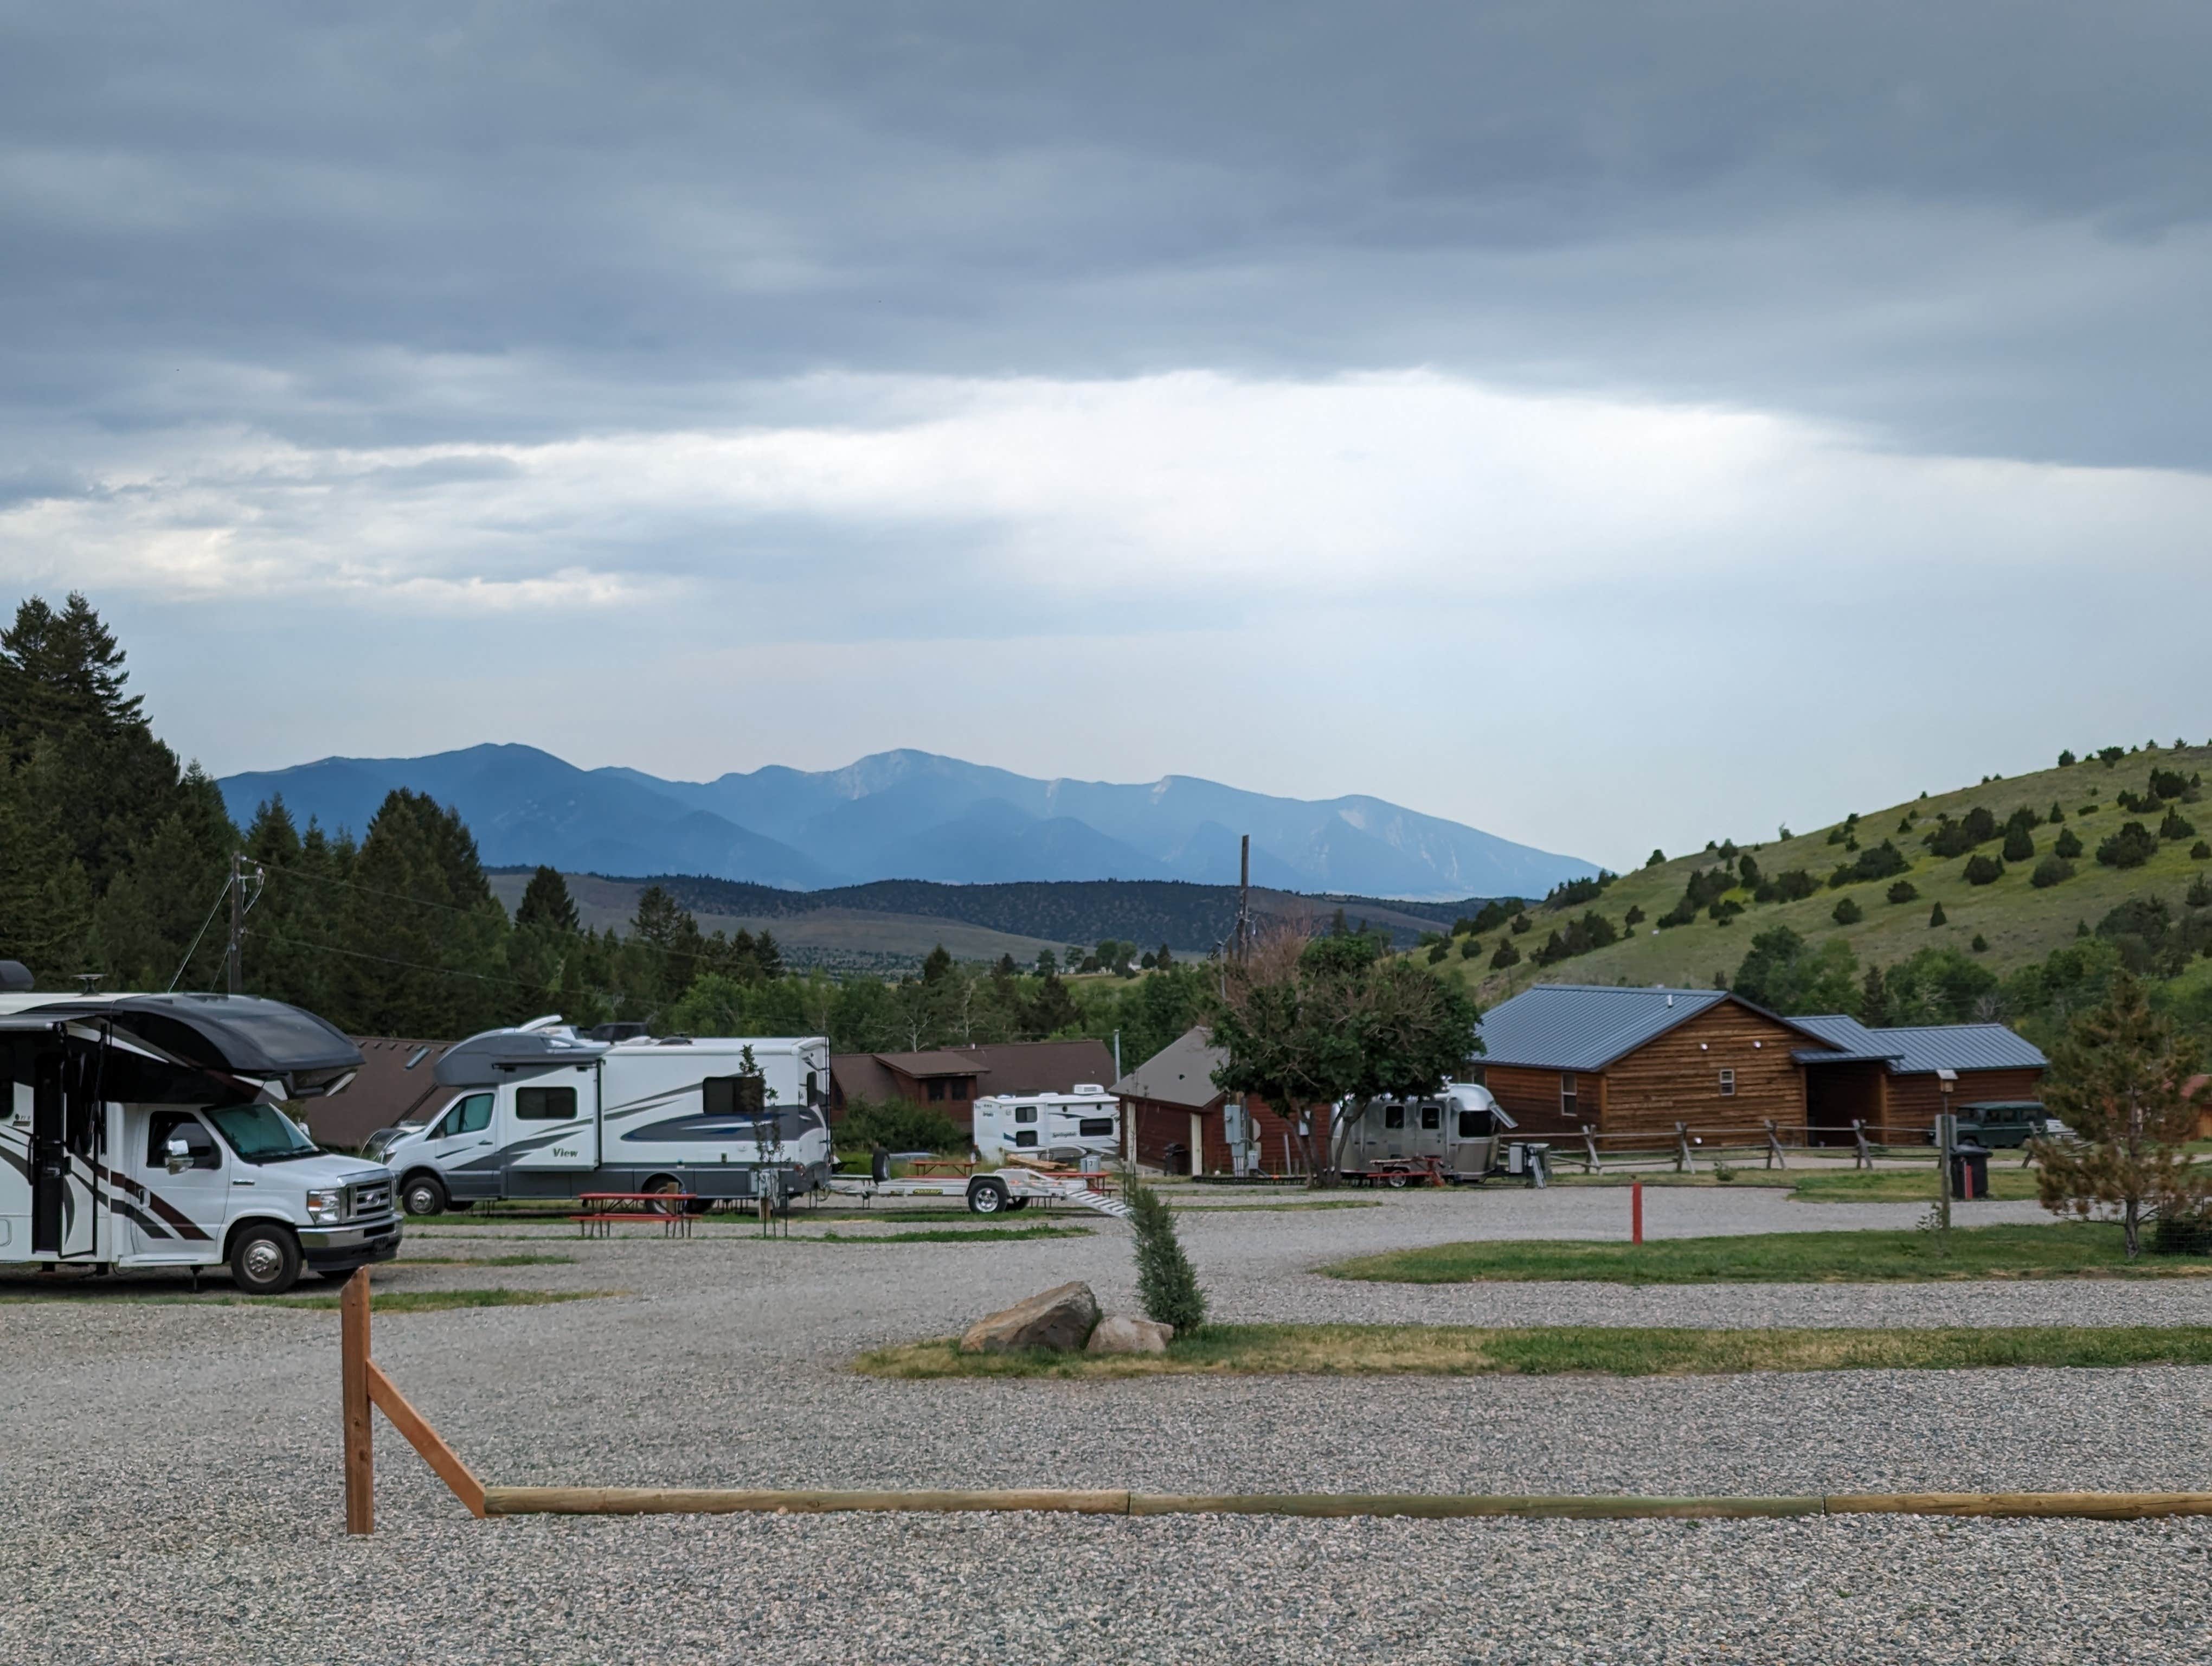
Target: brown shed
(950, 1079)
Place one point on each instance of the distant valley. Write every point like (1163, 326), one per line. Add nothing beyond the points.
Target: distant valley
(914, 816)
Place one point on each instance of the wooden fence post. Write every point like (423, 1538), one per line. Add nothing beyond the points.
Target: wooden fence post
(353, 1372)
(1774, 1152)
(1589, 1145)
(1684, 1163)
(1865, 1159)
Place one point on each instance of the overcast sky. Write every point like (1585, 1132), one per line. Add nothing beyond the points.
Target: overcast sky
(1607, 425)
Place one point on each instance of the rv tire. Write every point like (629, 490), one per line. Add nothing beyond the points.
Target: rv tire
(264, 1260)
(424, 1195)
(987, 1197)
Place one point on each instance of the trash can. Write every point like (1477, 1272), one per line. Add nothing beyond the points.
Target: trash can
(1969, 1171)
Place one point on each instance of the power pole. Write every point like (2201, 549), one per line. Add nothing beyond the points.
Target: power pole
(1244, 899)
(237, 925)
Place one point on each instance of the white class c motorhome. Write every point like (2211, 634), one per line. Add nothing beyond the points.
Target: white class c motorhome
(145, 1131)
(541, 1112)
(1086, 1123)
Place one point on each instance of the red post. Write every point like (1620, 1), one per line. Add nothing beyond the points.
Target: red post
(1636, 1212)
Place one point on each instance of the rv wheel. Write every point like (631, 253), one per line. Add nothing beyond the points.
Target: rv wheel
(424, 1195)
(265, 1261)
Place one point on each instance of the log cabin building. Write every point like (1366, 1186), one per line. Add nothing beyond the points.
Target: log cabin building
(1561, 1057)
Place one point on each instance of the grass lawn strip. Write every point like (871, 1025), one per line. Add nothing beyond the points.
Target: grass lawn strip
(2009, 1183)
(1567, 1350)
(2077, 1250)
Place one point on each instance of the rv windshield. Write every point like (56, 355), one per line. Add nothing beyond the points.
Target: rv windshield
(261, 1133)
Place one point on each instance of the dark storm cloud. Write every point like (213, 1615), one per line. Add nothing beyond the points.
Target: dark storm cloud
(1977, 226)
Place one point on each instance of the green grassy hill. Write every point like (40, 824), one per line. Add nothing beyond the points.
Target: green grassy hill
(2020, 924)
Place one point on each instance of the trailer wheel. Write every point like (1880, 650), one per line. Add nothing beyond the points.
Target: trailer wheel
(669, 1186)
(264, 1260)
(424, 1195)
(987, 1197)
(1396, 1182)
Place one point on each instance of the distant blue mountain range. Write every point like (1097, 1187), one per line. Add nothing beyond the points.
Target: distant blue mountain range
(908, 815)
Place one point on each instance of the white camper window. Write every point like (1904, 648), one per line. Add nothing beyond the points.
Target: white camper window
(1095, 1128)
(734, 1096)
(1025, 1113)
(545, 1104)
(1027, 1137)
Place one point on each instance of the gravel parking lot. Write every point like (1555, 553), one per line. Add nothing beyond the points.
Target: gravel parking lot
(171, 1483)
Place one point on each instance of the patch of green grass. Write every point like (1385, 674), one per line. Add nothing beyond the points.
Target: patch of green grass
(2073, 1250)
(1564, 1350)
(952, 1235)
(2009, 1183)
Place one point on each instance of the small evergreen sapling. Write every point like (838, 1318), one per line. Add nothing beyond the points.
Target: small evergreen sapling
(1848, 912)
(2200, 852)
(1935, 915)
(2068, 845)
(1166, 1284)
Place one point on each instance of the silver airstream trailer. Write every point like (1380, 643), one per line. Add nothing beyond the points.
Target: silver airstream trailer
(1461, 1129)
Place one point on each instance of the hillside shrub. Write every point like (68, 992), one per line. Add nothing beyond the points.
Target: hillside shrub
(1633, 918)
(2200, 893)
(2066, 760)
(1489, 916)
(1522, 925)
(2069, 844)
(1747, 873)
(1166, 1283)
(2018, 846)
(1984, 869)
(2051, 871)
(1572, 893)
(1876, 862)
(1507, 955)
(1682, 913)
(1657, 857)
(1981, 943)
(1592, 931)
(2058, 813)
(2176, 827)
(1903, 892)
(1469, 948)
(1848, 912)
(1793, 885)
(1955, 838)
(2167, 784)
(2200, 852)
(1437, 953)
(1936, 916)
(2131, 847)
(1724, 912)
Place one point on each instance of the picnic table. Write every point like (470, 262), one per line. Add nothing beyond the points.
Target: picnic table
(671, 1211)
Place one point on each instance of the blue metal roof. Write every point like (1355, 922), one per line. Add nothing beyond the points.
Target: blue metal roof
(1962, 1046)
(1584, 1027)
(1849, 1041)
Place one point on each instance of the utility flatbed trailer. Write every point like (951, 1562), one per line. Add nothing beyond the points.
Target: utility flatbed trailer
(996, 1191)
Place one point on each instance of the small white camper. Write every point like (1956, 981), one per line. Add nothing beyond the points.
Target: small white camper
(1065, 1127)
(541, 1112)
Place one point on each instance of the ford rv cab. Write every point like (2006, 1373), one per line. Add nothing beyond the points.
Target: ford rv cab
(149, 1131)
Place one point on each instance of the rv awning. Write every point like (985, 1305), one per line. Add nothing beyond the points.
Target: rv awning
(484, 1061)
(264, 1046)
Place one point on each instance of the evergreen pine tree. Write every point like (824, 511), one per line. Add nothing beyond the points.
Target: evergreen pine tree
(546, 903)
(1166, 1284)
(1935, 915)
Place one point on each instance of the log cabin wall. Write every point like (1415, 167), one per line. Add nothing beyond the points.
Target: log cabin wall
(1532, 1098)
(1916, 1101)
(1676, 1077)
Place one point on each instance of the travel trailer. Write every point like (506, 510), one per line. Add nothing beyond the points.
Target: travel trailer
(540, 1111)
(1067, 1127)
(1461, 1128)
(149, 1131)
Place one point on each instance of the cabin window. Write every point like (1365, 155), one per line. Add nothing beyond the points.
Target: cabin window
(1025, 1113)
(1393, 1117)
(1096, 1127)
(1432, 1118)
(962, 1089)
(469, 1115)
(545, 1104)
(734, 1096)
(1728, 1084)
(1471, 1124)
(936, 1090)
(1569, 1105)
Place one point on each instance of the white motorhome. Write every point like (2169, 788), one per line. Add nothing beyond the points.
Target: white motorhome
(1067, 1126)
(540, 1111)
(147, 1131)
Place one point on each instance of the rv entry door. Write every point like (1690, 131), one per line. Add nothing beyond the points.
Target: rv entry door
(67, 1139)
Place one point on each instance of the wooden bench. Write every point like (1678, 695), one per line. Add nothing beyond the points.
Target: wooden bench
(670, 1210)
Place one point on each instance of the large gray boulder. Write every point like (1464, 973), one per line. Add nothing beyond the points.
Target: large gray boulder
(1118, 1333)
(1060, 1319)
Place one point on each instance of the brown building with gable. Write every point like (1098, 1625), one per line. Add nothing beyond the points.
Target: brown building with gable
(950, 1079)
(1560, 1057)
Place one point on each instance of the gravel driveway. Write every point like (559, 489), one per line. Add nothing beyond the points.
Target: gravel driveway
(170, 1488)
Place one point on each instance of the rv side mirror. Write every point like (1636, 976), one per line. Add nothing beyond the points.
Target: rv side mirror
(181, 1154)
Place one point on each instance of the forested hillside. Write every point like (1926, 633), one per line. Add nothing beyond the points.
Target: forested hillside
(2011, 899)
